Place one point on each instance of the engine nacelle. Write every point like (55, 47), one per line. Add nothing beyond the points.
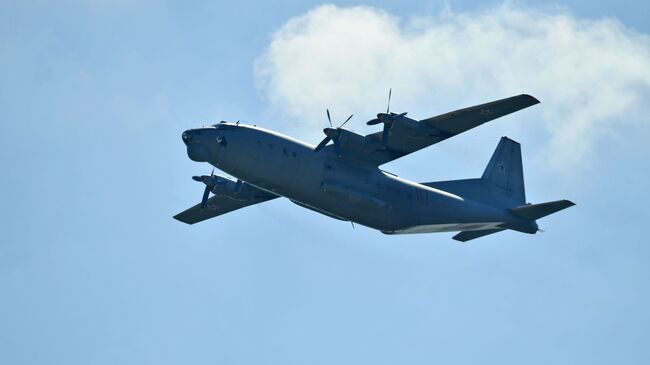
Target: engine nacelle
(408, 127)
(237, 190)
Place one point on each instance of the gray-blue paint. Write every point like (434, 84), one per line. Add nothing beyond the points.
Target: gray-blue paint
(345, 182)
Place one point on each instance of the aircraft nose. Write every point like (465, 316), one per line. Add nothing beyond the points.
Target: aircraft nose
(187, 136)
(197, 152)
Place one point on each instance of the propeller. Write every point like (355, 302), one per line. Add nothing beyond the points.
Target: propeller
(390, 91)
(332, 134)
(387, 118)
(211, 182)
(207, 180)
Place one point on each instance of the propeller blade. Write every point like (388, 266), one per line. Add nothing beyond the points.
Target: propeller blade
(373, 121)
(197, 178)
(322, 144)
(332, 134)
(390, 91)
(204, 200)
(212, 173)
(350, 117)
(384, 135)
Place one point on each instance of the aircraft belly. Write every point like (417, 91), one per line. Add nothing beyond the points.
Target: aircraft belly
(337, 193)
(355, 197)
(448, 227)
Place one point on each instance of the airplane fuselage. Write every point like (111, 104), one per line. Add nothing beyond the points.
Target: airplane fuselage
(340, 188)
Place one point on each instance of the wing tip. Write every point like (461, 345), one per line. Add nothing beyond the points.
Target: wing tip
(509, 139)
(179, 217)
(460, 238)
(533, 100)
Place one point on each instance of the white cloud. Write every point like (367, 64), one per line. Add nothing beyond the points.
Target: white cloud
(591, 75)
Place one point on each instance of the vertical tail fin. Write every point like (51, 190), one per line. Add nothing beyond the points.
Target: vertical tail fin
(502, 183)
(504, 173)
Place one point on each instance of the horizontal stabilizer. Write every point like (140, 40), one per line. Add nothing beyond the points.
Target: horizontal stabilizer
(536, 211)
(465, 236)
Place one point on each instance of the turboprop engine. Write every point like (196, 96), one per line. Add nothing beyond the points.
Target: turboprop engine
(223, 186)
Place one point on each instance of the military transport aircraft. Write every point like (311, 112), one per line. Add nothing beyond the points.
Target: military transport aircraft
(342, 180)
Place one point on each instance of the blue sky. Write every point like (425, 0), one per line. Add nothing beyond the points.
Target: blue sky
(93, 270)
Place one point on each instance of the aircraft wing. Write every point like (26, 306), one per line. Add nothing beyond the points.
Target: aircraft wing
(221, 204)
(432, 130)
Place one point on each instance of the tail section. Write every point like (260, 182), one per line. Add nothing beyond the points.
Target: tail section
(528, 213)
(504, 173)
(502, 183)
(502, 186)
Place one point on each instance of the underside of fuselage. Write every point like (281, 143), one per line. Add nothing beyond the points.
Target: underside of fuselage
(448, 227)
